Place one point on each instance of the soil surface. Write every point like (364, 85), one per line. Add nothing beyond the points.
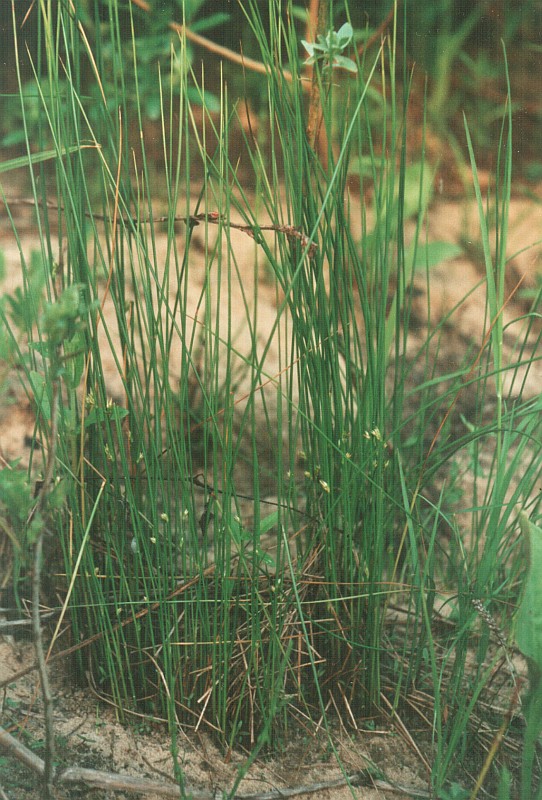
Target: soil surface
(89, 735)
(87, 730)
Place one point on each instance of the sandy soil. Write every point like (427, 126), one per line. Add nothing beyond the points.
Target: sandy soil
(89, 735)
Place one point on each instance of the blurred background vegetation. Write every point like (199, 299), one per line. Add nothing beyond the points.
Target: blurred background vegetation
(453, 48)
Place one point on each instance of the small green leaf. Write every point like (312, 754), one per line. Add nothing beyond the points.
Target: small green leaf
(209, 21)
(454, 792)
(266, 559)
(268, 522)
(117, 413)
(57, 496)
(97, 415)
(432, 253)
(153, 107)
(345, 63)
(323, 43)
(418, 189)
(38, 158)
(40, 347)
(206, 99)
(60, 318)
(344, 35)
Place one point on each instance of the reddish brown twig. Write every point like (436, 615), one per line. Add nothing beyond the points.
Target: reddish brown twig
(191, 220)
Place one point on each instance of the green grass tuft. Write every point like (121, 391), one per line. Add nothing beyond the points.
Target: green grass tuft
(245, 506)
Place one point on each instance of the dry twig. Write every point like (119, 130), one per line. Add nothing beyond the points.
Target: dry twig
(191, 220)
(48, 771)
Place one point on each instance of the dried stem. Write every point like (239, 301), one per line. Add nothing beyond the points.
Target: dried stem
(314, 120)
(192, 220)
(48, 770)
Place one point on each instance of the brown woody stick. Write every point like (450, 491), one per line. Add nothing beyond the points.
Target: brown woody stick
(314, 120)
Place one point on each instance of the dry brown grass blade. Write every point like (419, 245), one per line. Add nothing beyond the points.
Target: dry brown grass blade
(97, 636)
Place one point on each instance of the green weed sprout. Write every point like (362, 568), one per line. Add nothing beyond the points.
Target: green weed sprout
(62, 319)
(328, 49)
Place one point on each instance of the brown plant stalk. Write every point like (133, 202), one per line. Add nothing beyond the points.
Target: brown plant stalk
(47, 695)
